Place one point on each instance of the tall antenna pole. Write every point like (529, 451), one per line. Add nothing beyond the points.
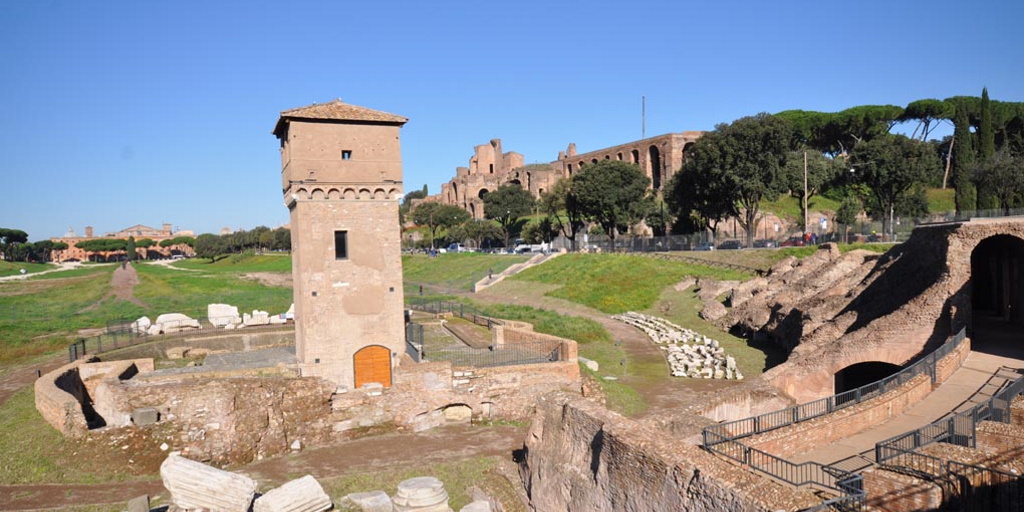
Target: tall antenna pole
(643, 117)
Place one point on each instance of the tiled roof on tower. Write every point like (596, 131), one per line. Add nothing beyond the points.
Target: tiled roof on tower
(338, 111)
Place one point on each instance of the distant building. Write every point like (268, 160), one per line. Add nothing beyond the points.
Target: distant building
(139, 231)
(489, 168)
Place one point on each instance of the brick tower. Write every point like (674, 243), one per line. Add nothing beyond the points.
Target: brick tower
(341, 175)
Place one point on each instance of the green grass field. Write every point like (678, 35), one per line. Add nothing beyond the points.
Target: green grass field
(941, 200)
(13, 268)
(614, 283)
(456, 271)
(166, 290)
(245, 262)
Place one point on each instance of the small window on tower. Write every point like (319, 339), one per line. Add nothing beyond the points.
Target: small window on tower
(346, 154)
(341, 245)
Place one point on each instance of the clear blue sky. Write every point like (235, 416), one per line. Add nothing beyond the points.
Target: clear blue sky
(117, 113)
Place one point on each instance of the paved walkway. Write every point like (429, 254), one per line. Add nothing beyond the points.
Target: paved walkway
(60, 268)
(997, 358)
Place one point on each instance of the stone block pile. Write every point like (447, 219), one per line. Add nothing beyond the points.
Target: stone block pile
(690, 354)
(221, 316)
(195, 486)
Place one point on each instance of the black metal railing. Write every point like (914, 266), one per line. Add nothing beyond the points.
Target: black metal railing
(125, 333)
(519, 353)
(769, 421)
(414, 341)
(458, 309)
(958, 429)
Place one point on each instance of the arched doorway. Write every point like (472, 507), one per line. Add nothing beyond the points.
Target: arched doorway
(654, 167)
(372, 364)
(862, 374)
(997, 283)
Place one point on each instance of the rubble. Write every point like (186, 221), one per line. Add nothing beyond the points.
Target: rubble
(690, 354)
(300, 495)
(194, 485)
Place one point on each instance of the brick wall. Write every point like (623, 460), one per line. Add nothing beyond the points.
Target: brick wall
(580, 456)
(824, 430)
(894, 492)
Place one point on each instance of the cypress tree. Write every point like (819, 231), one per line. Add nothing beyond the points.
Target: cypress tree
(963, 161)
(986, 150)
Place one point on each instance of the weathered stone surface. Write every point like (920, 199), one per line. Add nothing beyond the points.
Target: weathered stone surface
(301, 495)
(421, 494)
(141, 325)
(174, 322)
(713, 310)
(477, 506)
(194, 485)
(145, 416)
(374, 501)
(590, 364)
(177, 352)
(139, 504)
(221, 315)
(580, 456)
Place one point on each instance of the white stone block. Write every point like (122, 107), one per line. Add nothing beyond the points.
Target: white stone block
(301, 495)
(375, 501)
(194, 485)
(221, 315)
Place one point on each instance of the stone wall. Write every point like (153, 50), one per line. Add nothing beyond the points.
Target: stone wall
(579, 456)
(894, 492)
(823, 430)
(65, 397)
(234, 420)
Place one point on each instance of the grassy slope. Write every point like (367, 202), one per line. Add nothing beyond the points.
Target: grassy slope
(246, 262)
(941, 200)
(614, 283)
(167, 290)
(11, 268)
(456, 271)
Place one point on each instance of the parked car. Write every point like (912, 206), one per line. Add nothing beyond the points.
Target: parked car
(729, 245)
(706, 246)
(793, 241)
(765, 243)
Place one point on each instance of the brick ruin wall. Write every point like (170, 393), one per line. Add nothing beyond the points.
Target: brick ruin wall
(64, 397)
(580, 456)
(824, 430)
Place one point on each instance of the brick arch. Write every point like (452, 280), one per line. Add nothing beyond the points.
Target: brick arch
(349, 193)
(380, 194)
(364, 193)
(302, 193)
(334, 194)
(393, 193)
(318, 194)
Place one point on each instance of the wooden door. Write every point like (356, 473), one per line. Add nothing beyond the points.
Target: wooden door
(373, 364)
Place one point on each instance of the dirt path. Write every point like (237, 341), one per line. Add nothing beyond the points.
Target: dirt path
(370, 454)
(61, 267)
(122, 286)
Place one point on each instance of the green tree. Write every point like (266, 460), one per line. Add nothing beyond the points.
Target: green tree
(928, 113)
(700, 195)
(1003, 174)
(403, 209)
(507, 205)
(9, 237)
(611, 193)
(436, 215)
(562, 200)
(210, 246)
(847, 213)
(480, 232)
(748, 161)
(539, 231)
(986, 150)
(963, 161)
(129, 249)
(893, 168)
(822, 172)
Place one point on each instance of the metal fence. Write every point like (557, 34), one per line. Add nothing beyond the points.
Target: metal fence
(959, 429)
(125, 333)
(513, 353)
(985, 489)
(464, 311)
(766, 422)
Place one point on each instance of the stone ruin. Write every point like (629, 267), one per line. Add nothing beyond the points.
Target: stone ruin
(690, 354)
(221, 316)
(194, 486)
